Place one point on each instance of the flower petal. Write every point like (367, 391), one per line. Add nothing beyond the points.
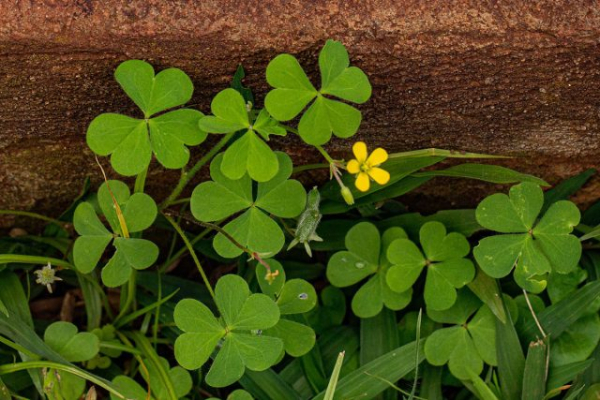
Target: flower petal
(379, 175)
(377, 157)
(362, 182)
(360, 151)
(353, 167)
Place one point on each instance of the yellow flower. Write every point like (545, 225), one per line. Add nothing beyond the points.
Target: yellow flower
(367, 168)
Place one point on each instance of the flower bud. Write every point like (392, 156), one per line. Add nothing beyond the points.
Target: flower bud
(347, 195)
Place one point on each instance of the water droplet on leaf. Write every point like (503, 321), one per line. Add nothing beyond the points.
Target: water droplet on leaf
(303, 296)
(359, 265)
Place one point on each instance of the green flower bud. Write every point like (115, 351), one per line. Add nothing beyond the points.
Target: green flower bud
(347, 195)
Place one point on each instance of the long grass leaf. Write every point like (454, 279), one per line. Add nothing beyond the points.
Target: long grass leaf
(511, 360)
(268, 385)
(536, 371)
(484, 172)
(371, 379)
(378, 336)
(329, 393)
(560, 316)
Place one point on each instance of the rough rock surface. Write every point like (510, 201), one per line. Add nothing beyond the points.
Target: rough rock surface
(507, 77)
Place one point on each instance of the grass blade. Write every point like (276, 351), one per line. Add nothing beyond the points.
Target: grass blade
(378, 336)
(334, 377)
(487, 290)
(511, 360)
(559, 376)
(372, 378)
(268, 385)
(566, 188)
(536, 371)
(484, 172)
(479, 387)
(560, 316)
(431, 384)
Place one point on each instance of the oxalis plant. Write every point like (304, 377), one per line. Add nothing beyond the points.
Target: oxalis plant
(258, 278)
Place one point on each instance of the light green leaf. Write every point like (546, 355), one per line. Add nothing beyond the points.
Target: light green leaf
(63, 338)
(137, 253)
(231, 292)
(258, 352)
(482, 329)
(367, 256)
(279, 196)
(228, 366)
(553, 233)
(152, 94)
(139, 212)
(271, 287)
(293, 91)
(117, 271)
(257, 312)
(453, 346)
(408, 263)
(298, 339)
(108, 193)
(252, 155)
(171, 132)
(254, 230)
(202, 333)
(447, 270)
(88, 250)
(230, 114)
(325, 117)
(497, 255)
(514, 213)
(340, 80)
(212, 201)
(265, 125)
(89, 247)
(297, 297)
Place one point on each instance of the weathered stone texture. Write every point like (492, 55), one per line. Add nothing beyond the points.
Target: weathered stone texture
(506, 77)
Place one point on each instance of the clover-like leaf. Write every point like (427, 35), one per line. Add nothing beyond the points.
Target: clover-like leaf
(74, 346)
(130, 142)
(443, 257)
(249, 153)
(254, 228)
(293, 91)
(366, 256)
(469, 343)
(536, 248)
(138, 213)
(242, 314)
(293, 297)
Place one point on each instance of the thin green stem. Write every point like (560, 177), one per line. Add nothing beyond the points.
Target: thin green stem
(186, 177)
(130, 299)
(17, 347)
(190, 248)
(120, 347)
(183, 250)
(11, 368)
(33, 215)
(309, 167)
(26, 259)
(140, 181)
(181, 201)
(325, 154)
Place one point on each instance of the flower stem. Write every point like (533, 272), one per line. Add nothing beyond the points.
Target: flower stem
(33, 215)
(187, 176)
(192, 253)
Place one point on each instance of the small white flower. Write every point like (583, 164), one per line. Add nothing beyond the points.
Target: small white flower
(46, 276)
